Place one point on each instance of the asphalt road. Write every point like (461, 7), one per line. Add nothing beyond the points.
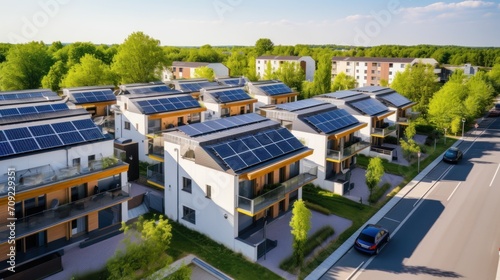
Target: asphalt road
(446, 227)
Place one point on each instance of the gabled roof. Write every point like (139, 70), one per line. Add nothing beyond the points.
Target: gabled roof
(189, 64)
(387, 96)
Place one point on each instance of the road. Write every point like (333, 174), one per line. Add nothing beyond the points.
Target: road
(446, 227)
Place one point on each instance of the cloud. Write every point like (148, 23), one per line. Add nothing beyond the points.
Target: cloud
(464, 10)
(356, 18)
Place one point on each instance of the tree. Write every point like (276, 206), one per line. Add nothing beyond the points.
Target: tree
(205, 54)
(139, 59)
(323, 75)
(268, 72)
(300, 224)
(25, 66)
(374, 173)
(342, 82)
(237, 63)
(77, 50)
(479, 97)
(494, 77)
(146, 243)
(264, 45)
(251, 71)
(204, 72)
(291, 74)
(408, 144)
(89, 72)
(54, 78)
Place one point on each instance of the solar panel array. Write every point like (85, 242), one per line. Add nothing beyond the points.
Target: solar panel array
(299, 105)
(199, 129)
(196, 86)
(93, 96)
(25, 95)
(396, 99)
(234, 82)
(33, 110)
(40, 137)
(167, 104)
(231, 95)
(342, 94)
(149, 89)
(369, 106)
(331, 121)
(276, 89)
(252, 150)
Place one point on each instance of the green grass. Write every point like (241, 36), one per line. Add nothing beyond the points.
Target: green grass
(317, 208)
(378, 192)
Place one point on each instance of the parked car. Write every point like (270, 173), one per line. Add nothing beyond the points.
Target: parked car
(371, 239)
(452, 155)
(494, 113)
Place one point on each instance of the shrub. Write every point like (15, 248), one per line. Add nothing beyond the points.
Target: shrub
(424, 128)
(317, 208)
(378, 193)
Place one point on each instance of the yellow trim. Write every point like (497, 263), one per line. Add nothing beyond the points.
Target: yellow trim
(385, 115)
(349, 131)
(260, 172)
(155, 157)
(409, 106)
(238, 103)
(85, 105)
(68, 183)
(176, 113)
(248, 213)
(156, 184)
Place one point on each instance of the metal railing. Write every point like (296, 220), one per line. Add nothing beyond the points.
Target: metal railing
(385, 151)
(254, 205)
(155, 173)
(339, 155)
(156, 146)
(383, 132)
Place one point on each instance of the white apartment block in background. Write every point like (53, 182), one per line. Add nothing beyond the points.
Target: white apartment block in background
(307, 64)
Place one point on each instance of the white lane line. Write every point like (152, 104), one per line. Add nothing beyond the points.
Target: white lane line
(355, 271)
(392, 220)
(449, 197)
(493, 179)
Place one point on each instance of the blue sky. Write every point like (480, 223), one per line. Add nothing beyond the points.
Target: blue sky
(243, 22)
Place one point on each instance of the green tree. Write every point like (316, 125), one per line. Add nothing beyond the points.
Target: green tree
(374, 173)
(77, 50)
(204, 72)
(480, 95)
(408, 144)
(494, 77)
(342, 82)
(251, 71)
(139, 59)
(291, 74)
(25, 66)
(54, 78)
(263, 46)
(146, 243)
(237, 63)
(205, 54)
(89, 72)
(268, 72)
(4, 49)
(300, 224)
(323, 75)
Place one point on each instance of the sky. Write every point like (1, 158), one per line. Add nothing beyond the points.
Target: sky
(243, 22)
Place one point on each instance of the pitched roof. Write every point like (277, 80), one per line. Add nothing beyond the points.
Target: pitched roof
(189, 64)
(279, 57)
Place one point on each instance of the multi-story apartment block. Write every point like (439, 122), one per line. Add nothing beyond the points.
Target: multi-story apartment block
(226, 101)
(225, 177)
(186, 70)
(271, 92)
(371, 71)
(333, 134)
(307, 64)
(60, 177)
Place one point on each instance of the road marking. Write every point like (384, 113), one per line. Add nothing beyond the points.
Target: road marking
(392, 220)
(449, 197)
(493, 179)
(355, 271)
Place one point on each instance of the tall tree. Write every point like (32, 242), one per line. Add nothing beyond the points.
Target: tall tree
(139, 59)
(251, 71)
(77, 50)
(291, 74)
(263, 46)
(343, 81)
(374, 173)
(237, 63)
(89, 72)
(480, 95)
(323, 75)
(25, 66)
(300, 224)
(54, 78)
(204, 72)
(269, 72)
(494, 77)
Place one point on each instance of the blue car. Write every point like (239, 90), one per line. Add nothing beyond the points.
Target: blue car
(452, 155)
(371, 239)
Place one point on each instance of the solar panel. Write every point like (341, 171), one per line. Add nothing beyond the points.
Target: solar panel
(299, 105)
(24, 145)
(48, 141)
(198, 129)
(33, 110)
(84, 124)
(251, 150)
(91, 134)
(150, 89)
(93, 96)
(196, 86)
(161, 105)
(231, 95)
(369, 106)
(342, 94)
(396, 99)
(275, 89)
(17, 133)
(26, 95)
(331, 121)
(234, 82)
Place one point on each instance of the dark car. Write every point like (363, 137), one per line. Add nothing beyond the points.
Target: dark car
(452, 155)
(371, 239)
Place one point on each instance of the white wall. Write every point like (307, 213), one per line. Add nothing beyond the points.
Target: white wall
(310, 67)
(220, 70)
(136, 120)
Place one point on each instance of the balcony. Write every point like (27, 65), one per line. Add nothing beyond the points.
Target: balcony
(156, 147)
(64, 213)
(351, 149)
(155, 174)
(45, 175)
(383, 132)
(259, 203)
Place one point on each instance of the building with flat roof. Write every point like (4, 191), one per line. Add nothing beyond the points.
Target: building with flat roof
(306, 63)
(186, 70)
(225, 101)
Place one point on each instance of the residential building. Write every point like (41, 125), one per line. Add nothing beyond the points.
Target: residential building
(333, 134)
(367, 110)
(185, 70)
(271, 92)
(307, 63)
(467, 68)
(226, 101)
(67, 182)
(226, 177)
(372, 71)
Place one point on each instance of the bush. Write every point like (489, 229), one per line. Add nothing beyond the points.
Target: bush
(317, 208)
(378, 193)
(424, 128)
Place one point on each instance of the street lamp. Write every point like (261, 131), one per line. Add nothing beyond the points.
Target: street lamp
(418, 164)
(463, 126)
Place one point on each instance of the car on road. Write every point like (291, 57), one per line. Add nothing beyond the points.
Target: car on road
(371, 239)
(452, 155)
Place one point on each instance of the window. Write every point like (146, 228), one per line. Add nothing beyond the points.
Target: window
(348, 63)
(180, 69)
(357, 63)
(374, 64)
(390, 65)
(390, 72)
(209, 191)
(186, 184)
(364, 77)
(373, 71)
(347, 70)
(173, 69)
(258, 61)
(365, 71)
(91, 158)
(258, 68)
(76, 161)
(127, 125)
(357, 70)
(366, 63)
(402, 65)
(357, 77)
(189, 214)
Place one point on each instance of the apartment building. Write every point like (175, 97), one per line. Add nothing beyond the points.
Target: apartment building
(372, 71)
(333, 134)
(225, 177)
(67, 180)
(307, 63)
(186, 70)
(271, 92)
(225, 101)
